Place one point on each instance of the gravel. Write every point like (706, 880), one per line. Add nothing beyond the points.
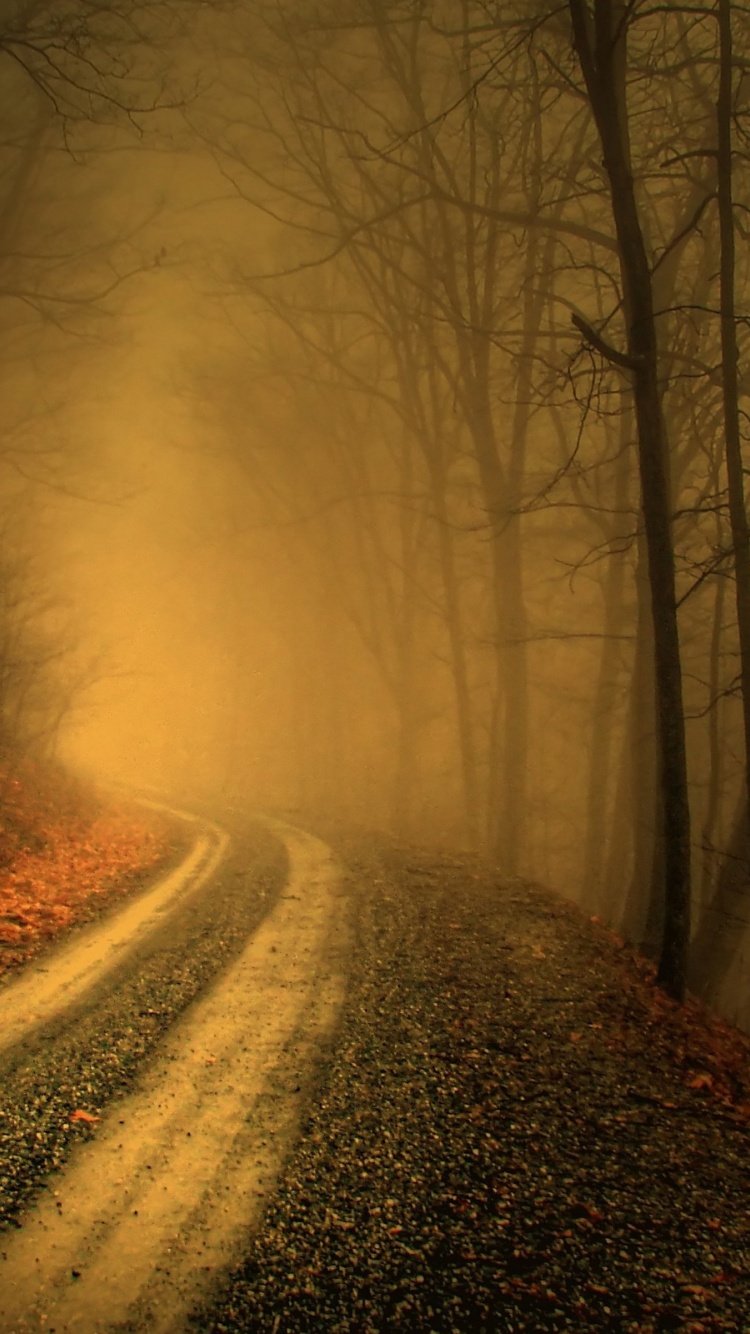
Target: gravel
(85, 1060)
(513, 1131)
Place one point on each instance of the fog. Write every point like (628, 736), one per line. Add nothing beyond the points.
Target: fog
(335, 510)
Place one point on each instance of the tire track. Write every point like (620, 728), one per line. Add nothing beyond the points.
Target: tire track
(162, 1199)
(45, 989)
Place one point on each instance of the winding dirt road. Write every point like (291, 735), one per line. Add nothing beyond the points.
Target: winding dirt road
(46, 989)
(164, 1195)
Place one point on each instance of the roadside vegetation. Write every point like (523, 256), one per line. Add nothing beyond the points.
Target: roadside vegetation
(66, 854)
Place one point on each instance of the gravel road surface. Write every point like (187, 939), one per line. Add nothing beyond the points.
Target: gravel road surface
(370, 1091)
(515, 1132)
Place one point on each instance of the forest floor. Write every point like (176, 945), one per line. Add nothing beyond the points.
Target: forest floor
(515, 1130)
(509, 1129)
(67, 855)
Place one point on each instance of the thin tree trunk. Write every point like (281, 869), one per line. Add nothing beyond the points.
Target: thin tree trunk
(729, 357)
(641, 761)
(502, 494)
(459, 672)
(725, 920)
(595, 888)
(715, 751)
(406, 694)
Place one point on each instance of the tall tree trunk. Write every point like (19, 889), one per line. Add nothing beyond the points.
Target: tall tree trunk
(503, 495)
(729, 357)
(600, 42)
(715, 752)
(457, 652)
(640, 795)
(513, 808)
(595, 888)
(500, 765)
(405, 775)
(725, 918)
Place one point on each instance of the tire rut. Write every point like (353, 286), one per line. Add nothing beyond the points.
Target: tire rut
(164, 1195)
(49, 987)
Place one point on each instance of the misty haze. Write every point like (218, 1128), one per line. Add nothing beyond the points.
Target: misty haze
(374, 666)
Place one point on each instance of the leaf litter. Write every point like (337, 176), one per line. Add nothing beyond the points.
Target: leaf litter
(67, 854)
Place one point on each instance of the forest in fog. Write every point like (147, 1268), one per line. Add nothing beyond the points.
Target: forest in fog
(375, 427)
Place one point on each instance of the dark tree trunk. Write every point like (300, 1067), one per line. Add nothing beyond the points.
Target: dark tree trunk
(725, 921)
(711, 821)
(640, 759)
(597, 892)
(600, 42)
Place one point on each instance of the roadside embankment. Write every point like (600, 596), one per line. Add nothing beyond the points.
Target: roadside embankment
(69, 854)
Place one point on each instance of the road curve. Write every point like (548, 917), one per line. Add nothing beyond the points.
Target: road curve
(48, 987)
(164, 1195)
